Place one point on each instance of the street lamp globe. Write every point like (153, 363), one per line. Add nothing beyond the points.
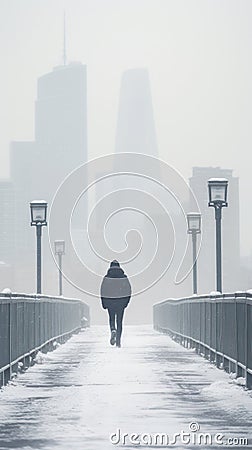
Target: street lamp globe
(193, 223)
(38, 212)
(59, 247)
(217, 189)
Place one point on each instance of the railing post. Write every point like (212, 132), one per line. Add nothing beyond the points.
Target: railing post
(211, 329)
(205, 329)
(238, 368)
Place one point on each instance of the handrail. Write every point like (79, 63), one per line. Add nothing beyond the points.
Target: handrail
(219, 326)
(29, 322)
(238, 294)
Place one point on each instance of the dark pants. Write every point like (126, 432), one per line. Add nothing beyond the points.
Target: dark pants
(116, 315)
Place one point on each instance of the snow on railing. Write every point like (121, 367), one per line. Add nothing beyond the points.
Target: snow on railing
(30, 323)
(218, 326)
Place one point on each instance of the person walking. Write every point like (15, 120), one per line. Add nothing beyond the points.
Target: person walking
(115, 297)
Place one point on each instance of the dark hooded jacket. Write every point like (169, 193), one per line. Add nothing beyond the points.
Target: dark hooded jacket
(115, 288)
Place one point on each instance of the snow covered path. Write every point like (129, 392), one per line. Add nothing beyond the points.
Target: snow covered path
(86, 390)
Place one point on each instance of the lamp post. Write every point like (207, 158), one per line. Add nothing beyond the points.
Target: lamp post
(59, 251)
(194, 228)
(217, 188)
(38, 219)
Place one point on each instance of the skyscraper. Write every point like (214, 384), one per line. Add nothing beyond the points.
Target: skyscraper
(61, 116)
(135, 124)
(7, 214)
(60, 132)
(135, 133)
(38, 167)
(230, 230)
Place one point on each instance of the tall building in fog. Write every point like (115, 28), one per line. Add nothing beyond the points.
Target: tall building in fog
(7, 217)
(7, 233)
(61, 118)
(230, 230)
(60, 145)
(135, 130)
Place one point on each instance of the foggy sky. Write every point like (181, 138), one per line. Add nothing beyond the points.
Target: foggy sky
(198, 53)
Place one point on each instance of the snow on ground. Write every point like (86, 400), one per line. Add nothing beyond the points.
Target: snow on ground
(84, 391)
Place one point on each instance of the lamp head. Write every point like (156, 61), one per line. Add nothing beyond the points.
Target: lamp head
(38, 212)
(193, 223)
(59, 247)
(217, 190)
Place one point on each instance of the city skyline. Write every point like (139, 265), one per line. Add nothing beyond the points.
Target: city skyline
(39, 166)
(201, 90)
(125, 224)
(51, 134)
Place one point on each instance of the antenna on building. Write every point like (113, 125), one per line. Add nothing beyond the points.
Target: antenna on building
(64, 41)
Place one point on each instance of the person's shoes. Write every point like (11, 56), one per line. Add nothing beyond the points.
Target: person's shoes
(118, 344)
(113, 337)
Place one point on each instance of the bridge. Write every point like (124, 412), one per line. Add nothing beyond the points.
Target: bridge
(182, 382)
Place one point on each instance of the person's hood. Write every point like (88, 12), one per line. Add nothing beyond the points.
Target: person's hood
(115, 272)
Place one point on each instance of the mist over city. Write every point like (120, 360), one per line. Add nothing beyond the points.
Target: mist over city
(125, 224)
(161, 79)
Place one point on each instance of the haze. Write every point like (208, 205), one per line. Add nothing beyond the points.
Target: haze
(199, 58)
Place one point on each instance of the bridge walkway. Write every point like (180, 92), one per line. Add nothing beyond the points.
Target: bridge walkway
(85, 391)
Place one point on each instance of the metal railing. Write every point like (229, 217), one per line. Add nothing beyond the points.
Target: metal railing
(219, 327)
(29, 323)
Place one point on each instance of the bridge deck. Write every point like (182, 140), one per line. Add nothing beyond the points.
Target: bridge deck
(85, 390)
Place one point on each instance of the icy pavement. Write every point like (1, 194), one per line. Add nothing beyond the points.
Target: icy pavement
(85, 391)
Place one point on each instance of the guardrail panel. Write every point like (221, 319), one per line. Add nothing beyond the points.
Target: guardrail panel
(4, 333)
(219, 325)
(241, 331)
(249, 337)
(28, 323)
